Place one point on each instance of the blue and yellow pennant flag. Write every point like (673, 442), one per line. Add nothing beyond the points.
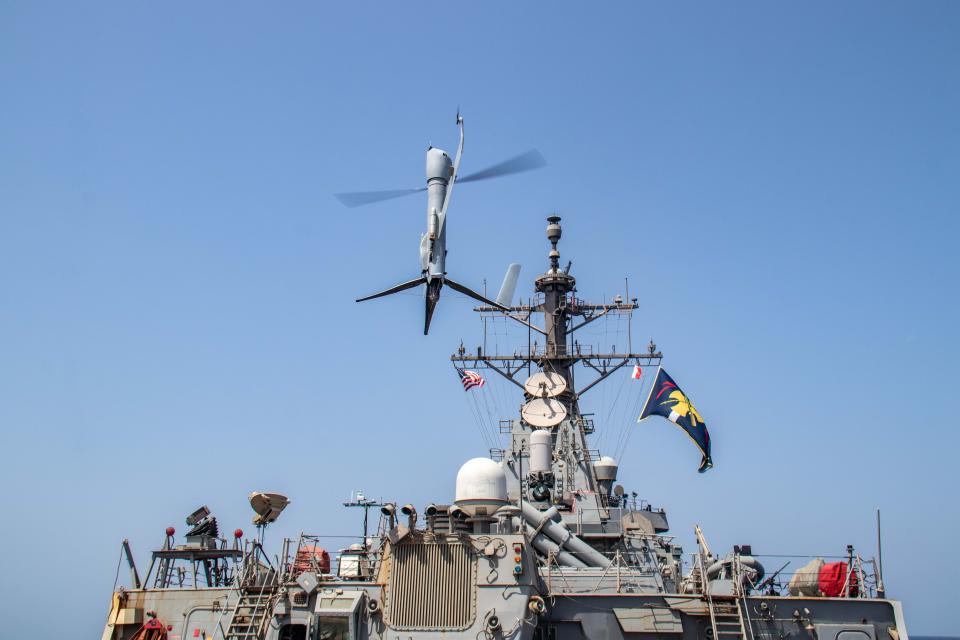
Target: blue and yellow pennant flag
(667, 400)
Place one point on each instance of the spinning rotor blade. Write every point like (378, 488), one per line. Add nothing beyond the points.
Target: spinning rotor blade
(528, 161)
(360, 198)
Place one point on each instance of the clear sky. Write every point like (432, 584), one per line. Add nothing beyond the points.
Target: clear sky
(778, 181)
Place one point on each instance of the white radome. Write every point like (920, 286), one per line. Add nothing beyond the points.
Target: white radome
(606, 468)
(481, 482)
(541, 451)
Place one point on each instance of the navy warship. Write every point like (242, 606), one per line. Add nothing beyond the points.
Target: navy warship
(532, 541)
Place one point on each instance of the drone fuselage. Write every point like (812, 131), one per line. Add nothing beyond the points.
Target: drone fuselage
(433, 250)
(441, 176)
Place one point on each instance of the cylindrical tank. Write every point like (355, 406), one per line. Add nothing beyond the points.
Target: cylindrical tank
(481, 483)
(605, 470)
(541, 451)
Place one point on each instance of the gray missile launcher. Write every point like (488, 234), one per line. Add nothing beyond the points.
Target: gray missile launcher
(539, 542)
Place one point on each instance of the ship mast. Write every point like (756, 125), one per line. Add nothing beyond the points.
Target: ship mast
(563, 313)
(560, 308)
(556, 286)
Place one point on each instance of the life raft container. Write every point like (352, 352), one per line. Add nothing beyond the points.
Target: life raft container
(310, 558)
(824, 579)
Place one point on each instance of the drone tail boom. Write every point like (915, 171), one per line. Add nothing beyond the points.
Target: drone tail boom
(431, 299)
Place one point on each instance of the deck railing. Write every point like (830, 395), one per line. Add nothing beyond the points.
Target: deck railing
(861, 580)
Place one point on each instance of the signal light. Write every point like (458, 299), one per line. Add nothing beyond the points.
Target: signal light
(518, 559)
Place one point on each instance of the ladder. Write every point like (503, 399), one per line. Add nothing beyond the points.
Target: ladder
(257, 588)
(253, 610)
(726, 614)
(726, 618)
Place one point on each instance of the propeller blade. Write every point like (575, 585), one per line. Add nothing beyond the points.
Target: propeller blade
(360, 198)
(409, 284)
(467, 291)
(528, 161)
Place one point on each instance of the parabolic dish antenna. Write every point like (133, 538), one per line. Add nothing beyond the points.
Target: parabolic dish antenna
(543, 412)
(545, 383)
(267, 506)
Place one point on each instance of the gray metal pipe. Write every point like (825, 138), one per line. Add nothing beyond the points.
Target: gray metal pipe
(550, 523)
(546, 546)
(751, 563)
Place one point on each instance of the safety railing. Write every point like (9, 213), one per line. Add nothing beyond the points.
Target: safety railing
(301, 554)
(858, 577)
(628, 572)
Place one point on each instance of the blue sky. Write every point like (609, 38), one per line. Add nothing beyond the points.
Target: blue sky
(177, 326)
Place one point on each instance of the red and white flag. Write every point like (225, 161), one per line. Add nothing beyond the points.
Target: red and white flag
(637, 370)
(471, 379)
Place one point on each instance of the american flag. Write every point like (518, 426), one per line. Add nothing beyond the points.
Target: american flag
(471, 379)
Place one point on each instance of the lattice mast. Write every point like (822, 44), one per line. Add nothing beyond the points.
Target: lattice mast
(560, 308)
(563, 315)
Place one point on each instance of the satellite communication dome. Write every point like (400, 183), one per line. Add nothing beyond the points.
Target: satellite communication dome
(606, 468)
(481, 483)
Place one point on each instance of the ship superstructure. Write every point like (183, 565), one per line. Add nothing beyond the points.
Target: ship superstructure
(538, 543)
